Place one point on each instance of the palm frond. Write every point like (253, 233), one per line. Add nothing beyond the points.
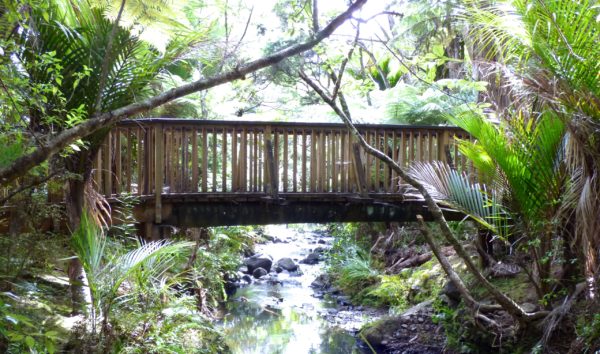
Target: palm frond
(455, 188)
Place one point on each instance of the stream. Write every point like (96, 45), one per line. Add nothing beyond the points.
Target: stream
(281, 313)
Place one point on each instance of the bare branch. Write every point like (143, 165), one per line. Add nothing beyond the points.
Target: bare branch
(506, 302)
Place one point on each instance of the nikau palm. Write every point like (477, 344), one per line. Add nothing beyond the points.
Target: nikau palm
(106, 273)
(551, 53)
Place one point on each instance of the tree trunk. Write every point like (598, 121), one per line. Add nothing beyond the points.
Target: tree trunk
(80, 164)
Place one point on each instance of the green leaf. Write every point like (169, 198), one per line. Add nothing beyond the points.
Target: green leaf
(30, 342)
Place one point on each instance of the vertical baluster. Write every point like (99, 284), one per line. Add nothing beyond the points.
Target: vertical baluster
(215, 160)
(322, 162)
(128, 161)
(304, 148)
(224, 160)
(276, 157)
(118, 167)
(194, 160)
(342, 168)
(334, 147)
(107, 168)
(285, 159)
(140, 161)
(244, 181)
(313, 162)
(395, 158)
(98, 170)
(295, 161)
(256, 162)
(204, 174)
(234, 160)
(259, 161)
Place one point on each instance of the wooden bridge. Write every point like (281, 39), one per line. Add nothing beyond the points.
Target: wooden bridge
(206, 173)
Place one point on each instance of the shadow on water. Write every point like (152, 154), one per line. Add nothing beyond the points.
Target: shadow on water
(284, 316)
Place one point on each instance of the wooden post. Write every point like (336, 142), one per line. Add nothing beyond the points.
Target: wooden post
(266, 175)
(107, 168)
(285, 159)
(204, 161)
(295, 161)
(359, 170)
(118, 164)
(194, 160)
(274, 181)
(158, 172)
(224, 160)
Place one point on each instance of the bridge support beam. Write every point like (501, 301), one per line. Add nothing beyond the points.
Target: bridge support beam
(264, 210)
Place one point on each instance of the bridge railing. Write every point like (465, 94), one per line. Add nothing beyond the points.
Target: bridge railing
(162, 156)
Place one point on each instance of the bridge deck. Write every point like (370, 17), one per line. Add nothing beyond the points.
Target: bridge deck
(181, 164)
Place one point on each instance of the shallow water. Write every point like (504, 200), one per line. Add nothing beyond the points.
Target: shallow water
(272, 317)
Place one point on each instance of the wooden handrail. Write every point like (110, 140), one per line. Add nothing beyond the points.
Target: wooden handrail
(157, 156)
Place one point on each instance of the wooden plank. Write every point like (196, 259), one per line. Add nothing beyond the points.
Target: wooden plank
(350, 175)
(276, 153)
(313, 161)
(420, 143)
(184, 161)
(119, 168)
(273, 180)
(377, 175)
(285, 160)
(140, 162)
(304, 151)
(344, 163)
(359, 171)
(158, 170)
(234, 161)
(129, 161)
(259, 168)
(295, 161)
(256, 161)
(98, 169)
(266, 174)
(411, 147)
(334, 147)
(224, 160)
(322, 162)
(204, 173)
(393, 181)
(215, 160)
(194, 160)
(386, 170)
(251, 160)
(243, 162)
(107, 168)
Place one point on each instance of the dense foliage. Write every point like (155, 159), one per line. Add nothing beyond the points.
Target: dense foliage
(521, 77)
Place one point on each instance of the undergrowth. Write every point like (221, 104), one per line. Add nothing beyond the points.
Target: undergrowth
(361, 276)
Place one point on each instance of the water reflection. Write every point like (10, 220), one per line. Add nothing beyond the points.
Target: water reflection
(270, 317)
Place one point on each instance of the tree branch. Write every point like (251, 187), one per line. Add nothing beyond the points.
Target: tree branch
(506, 302)
(55, 144)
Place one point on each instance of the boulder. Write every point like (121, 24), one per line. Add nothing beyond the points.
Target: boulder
(258, 262)
(287, 264)
(247, 279)
(451, 292)
(259, 272)
(379, 332)
(312, 258)
(321, 282)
